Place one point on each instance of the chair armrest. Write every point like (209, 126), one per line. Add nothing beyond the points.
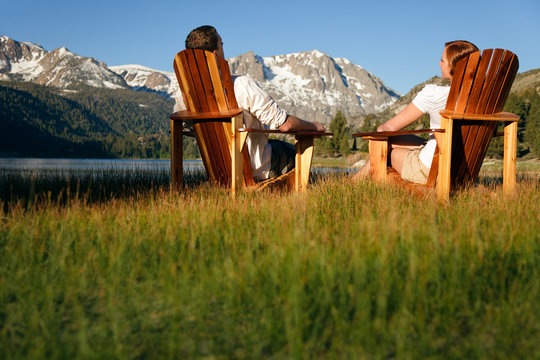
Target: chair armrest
(292, 132)
(385, 134)
(214, 115)
(502, 116)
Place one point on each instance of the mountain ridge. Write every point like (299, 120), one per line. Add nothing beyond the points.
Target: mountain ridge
(312, 84)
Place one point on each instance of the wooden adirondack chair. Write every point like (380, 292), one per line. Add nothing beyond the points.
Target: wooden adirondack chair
(208, 92)
(479, 89)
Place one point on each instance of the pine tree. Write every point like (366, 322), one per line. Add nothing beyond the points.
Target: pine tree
(339, 142)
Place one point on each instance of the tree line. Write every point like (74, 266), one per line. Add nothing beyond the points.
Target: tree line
(39, 121)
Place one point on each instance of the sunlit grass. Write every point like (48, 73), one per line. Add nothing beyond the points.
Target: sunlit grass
(124, 268)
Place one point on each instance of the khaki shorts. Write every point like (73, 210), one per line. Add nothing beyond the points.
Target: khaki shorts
(414, 169)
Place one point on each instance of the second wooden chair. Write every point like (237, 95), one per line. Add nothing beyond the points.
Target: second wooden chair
(478, 92)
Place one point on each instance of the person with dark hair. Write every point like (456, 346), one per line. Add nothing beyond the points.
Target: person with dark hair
(411, 155)
(269, 158)
(205, 38)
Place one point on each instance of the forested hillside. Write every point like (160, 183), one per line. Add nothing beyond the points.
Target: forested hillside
(40, 121)
(526, 104)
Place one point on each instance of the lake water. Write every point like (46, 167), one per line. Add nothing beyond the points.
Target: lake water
(89, 165)
(47, 165)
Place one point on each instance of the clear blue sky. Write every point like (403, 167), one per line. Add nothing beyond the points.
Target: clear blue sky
(398, 41)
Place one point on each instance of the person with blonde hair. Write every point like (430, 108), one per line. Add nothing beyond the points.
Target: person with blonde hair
(411, 155)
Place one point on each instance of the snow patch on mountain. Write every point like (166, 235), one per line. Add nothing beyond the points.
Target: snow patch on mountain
(144, 78)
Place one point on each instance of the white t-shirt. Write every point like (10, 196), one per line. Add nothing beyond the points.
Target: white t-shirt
(260, 112)
(431, 100)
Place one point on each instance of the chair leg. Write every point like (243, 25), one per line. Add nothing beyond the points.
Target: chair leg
(237, 143)
(177, 170)
(378, 158)
(445, 157)
(304, 156)
(510, 155)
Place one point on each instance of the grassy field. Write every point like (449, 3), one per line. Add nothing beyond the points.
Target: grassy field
(118, 267)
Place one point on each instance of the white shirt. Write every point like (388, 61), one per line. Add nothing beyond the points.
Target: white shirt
(260, 112)
(431, 100)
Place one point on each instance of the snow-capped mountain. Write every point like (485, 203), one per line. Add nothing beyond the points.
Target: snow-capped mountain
(23, 61)
(311, 85)
(315, 86)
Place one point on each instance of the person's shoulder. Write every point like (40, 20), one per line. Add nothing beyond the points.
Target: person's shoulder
(243, 79)
(434, 90)
(247, 86)
(431, 96)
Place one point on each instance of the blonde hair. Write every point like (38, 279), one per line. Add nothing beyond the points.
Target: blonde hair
(457, 50)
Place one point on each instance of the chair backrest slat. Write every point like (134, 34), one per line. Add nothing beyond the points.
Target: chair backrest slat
(467, 82)
(453, 95)
(195, 72)
(499, 82)
(509, 67)
(489, 82)
(217, 82)
(185, 82)
(206, 91)
(228, 85)
(474, 98)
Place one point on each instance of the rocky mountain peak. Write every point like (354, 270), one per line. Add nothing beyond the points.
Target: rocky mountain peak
(315, 86)
(249, 64)
(21, 61)
(14, 54)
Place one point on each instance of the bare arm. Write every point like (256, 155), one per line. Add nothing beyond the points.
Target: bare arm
(294, 123)
(405, 117)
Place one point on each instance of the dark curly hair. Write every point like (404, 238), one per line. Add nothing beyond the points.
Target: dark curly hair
(204, 37)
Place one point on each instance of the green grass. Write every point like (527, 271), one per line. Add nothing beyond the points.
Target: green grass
(343, 270)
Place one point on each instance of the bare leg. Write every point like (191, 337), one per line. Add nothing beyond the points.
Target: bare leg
(364, 172)
(400, 146)
(396, 157)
